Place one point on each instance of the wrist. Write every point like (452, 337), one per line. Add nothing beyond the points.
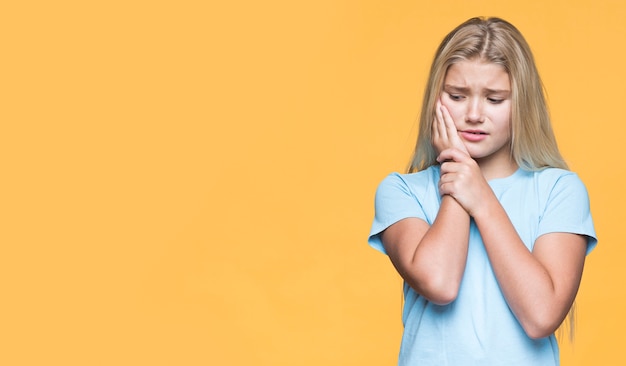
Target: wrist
(488, 206)
(449, 203)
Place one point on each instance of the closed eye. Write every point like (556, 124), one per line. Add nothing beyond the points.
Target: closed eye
(495, 101)
(455, 97)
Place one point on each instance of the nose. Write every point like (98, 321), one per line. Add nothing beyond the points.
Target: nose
(475, 111)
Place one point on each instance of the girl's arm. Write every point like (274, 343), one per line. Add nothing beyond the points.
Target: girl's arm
(431, 259)
(539, 286)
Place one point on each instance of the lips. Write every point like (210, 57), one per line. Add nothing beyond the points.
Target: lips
(473, 135)
(474, 132)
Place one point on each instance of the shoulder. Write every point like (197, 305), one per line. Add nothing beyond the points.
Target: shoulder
(400, 196)
(411, 183)
(553, 173)
(408, 193)
(545, 187)
(563, 196)
(555, 180)
(565, 205)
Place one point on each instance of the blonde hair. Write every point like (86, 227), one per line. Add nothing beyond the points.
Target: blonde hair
(494, 40)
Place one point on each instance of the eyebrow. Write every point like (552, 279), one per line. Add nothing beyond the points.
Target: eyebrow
(462, 89)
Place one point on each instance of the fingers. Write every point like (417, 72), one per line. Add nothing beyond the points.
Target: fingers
(448, 123)
(444, 124)
(435, 132)
(457, 178)
(444, 132)
(449, 180)
(439, 130)
(443, 129)
(452, 154)
(451, 131)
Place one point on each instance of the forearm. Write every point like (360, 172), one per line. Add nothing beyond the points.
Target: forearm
(528, 286)
(439, 259)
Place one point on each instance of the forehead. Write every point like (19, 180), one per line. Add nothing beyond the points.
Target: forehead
(477, 74)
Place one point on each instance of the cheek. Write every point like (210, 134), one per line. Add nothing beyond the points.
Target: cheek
(503, 118)
(453, 108)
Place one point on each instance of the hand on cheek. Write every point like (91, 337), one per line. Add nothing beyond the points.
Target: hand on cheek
(461, 177)
(444, 133)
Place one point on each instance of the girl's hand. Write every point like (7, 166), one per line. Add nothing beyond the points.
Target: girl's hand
(462, 179)
(444, 132)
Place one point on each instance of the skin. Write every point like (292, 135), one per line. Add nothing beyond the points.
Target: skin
(471, 134)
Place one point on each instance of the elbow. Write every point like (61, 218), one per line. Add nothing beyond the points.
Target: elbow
(438, 291)
(539, 332)
(443, 298)
(540, 326)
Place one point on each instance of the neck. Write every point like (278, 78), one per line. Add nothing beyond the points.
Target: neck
(497, 169)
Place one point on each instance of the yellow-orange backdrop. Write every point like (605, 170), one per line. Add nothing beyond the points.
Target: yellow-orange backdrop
(191, 183)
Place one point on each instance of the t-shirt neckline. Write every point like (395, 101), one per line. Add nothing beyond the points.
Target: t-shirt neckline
(496, 182)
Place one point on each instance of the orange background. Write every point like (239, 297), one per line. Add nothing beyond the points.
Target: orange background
(191, 183)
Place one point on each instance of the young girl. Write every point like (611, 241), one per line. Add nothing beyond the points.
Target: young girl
(489, 230)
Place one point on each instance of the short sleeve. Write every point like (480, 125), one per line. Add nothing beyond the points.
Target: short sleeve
(394, 201)
(568, 210)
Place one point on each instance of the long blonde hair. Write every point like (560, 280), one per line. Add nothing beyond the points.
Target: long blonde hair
(533, 145)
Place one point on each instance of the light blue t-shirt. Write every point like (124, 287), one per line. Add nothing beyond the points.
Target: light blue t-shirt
(478, 328)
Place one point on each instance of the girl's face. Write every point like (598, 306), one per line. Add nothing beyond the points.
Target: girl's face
(478, 96)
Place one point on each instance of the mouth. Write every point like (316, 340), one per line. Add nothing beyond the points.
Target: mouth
(474, 132)
(474, 135)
